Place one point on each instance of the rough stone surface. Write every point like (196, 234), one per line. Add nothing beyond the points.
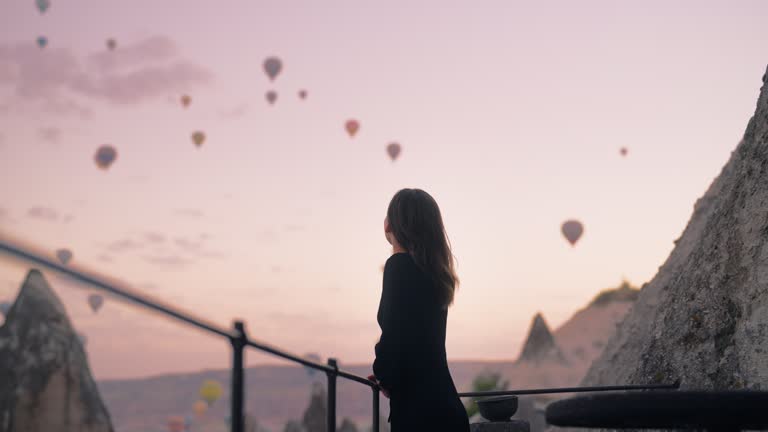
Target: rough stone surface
(45, 381)
(314, 419)
(540, 345)
(704, 317)
(508, 426)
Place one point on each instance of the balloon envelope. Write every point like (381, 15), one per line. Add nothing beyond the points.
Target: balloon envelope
(4, 308)
(272, 67)
(105, 156)
(64, 255)
(176, 424)
(352, 126)
(186, 100)
(42, 41)
(200, 407)
(198, 138)
(210, 391)
(624, 151)
(393, 150)
(42, 5)
(271, 97)
(302, 94)
(572, 231)
(111, 44)
(95, 301)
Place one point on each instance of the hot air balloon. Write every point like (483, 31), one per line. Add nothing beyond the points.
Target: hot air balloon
(271, 97)
(95, 301)
(105, 156)
(210, 391)
(4, 308)
(42, 5)
(200, 407)
(272, 67)
(111, 44)
(393, 150)
(176, 424)
(64, 255)
(352, 126)
(186, 100)
(623, 151)
(42, 41)
(198, 138)
(312, 357)
(302, 94)
(572, 230)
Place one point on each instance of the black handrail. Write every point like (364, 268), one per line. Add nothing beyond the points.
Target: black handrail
(673, 386)
(239, 340)
(114, 287)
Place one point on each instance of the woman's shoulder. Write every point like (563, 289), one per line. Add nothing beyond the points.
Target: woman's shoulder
(399, 259)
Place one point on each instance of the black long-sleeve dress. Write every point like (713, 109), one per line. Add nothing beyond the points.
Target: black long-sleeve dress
(410, 356)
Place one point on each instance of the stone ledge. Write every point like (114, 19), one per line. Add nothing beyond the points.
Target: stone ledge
(507, 426)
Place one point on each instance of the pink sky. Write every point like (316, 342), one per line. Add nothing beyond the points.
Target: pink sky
(510, 114)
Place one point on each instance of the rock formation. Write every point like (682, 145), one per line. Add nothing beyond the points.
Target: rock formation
(540, 345)
(583, 337)
(704, 317)
(347, 425)
(314, 419)
(45, 381)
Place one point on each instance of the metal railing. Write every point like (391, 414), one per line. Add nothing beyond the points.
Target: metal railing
(239, 340)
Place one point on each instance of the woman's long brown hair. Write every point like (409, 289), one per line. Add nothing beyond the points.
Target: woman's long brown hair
(416, 222)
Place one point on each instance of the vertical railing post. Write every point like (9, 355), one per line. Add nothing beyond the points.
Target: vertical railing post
(375, 409)
(331, 414)
(238, 376)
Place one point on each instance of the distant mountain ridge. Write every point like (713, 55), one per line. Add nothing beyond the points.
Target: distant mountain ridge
(276, 394)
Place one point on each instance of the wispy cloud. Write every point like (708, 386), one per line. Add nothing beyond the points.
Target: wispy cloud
(154, 238)
(188, 244)
(56, 81)
(43, 213)
(168, 261)
(147, 51)
(49, 134)
(124, 245)
(105, 258)
(234, 112)
(189, 212)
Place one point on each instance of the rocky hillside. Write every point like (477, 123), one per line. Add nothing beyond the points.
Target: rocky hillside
(704, 317)
(45, 380)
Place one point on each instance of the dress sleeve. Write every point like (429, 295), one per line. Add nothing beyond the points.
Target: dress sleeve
(389, 350)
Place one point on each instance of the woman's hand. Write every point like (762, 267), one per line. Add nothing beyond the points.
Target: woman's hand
(376, 381)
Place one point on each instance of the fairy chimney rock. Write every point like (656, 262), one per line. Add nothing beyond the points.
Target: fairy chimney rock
(540, 345)
(704, 317)
(45, 380)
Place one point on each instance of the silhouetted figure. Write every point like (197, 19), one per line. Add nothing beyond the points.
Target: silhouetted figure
(419, 283)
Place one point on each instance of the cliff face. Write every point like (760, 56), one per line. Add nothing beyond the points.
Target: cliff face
(704, 316)
(45, 381)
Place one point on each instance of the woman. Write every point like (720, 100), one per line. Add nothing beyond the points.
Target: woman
(419, 282)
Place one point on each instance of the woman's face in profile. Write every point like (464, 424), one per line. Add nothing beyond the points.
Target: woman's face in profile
(386, 229)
